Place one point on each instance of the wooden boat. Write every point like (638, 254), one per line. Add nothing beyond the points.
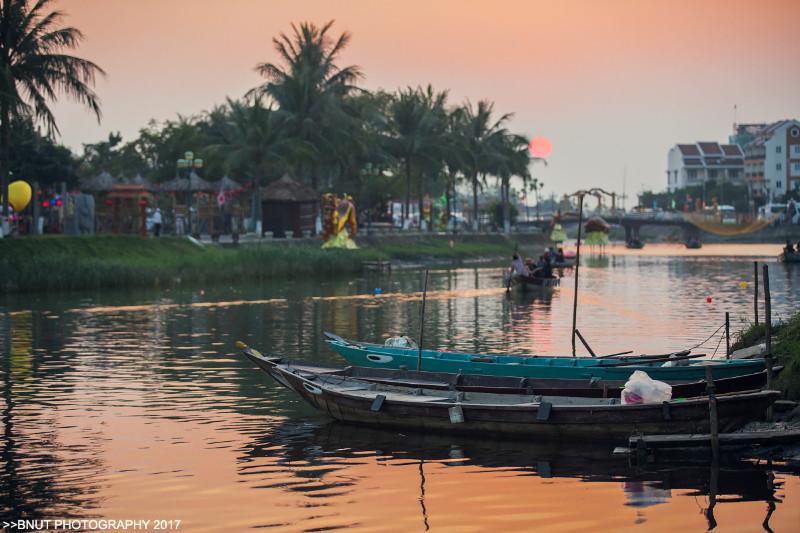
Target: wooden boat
(528, 282)
(512, 385)
(789, 258)
(580, 368)
(634, 244)
(568, 262)
(523, 416)
(694, 244)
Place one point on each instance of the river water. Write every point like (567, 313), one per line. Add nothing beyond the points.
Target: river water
(134, 405)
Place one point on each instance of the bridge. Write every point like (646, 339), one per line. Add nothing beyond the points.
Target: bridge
(631, 222)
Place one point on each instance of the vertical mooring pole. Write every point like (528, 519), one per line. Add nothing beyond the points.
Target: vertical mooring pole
(768, 333)
(727, 335)
(755, 290)
(712, 414)
(577, 267)
(422, 321)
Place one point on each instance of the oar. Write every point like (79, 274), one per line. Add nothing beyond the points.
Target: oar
(645, 356)
(649, 361)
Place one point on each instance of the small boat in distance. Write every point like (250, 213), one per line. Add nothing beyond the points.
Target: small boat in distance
(522, 416)
(525, 283)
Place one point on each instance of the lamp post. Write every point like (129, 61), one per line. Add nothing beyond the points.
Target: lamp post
(580, 194)
(189, 163)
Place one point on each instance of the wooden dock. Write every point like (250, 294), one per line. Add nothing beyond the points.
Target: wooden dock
(649, 448)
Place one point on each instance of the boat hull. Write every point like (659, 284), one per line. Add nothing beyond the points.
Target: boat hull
(512, 385)
(570, 368)
(356, 401)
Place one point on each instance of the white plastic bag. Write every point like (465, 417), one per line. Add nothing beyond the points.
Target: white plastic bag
(641, 388)
(400, 342)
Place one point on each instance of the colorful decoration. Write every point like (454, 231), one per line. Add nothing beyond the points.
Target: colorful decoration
(19, 195)
(339, 224)
(558, 235)
(597, 232)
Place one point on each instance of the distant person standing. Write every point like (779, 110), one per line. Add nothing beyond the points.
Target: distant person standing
(157, 222)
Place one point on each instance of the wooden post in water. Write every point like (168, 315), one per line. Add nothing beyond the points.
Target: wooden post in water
(768, 333)
(422, 321)
(727, 335)
(712, 414)
(577, 267)
(755, 290)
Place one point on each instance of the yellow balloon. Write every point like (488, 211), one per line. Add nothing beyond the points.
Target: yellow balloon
(19, 195)
(743, 284)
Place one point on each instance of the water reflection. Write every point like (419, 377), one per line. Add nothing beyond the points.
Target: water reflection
(134, 405)
(323, 459)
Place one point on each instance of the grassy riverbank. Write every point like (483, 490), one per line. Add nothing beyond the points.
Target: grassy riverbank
(68, 263)
(785, 347)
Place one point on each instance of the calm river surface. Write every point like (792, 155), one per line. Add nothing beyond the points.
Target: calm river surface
(134, 405)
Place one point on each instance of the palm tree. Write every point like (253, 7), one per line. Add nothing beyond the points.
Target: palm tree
(35, 70)
(251, 139)
(309, 87)
(417, 128)
(482, 137)
(514, 159)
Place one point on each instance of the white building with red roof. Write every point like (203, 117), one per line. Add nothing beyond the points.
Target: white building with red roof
(696, 164)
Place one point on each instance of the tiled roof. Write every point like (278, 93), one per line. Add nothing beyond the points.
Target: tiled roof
(709, 148)
(732, 149)
(689, 149)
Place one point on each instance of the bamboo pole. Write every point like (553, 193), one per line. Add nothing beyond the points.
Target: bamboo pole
(727, 335)
(755, 291)
(422, 321)
(577, 268)
(712, 413)
(586, 344)
(768, 333)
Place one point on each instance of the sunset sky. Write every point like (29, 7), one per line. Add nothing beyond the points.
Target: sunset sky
(612, 83)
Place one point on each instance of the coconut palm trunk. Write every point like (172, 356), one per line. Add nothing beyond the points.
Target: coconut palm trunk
(475, 202)
(407, 206)
(506, 208)
(5, 141)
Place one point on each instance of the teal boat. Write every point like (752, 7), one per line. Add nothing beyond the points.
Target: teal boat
(589, 368)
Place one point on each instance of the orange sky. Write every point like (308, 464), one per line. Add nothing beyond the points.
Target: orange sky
(614, 84)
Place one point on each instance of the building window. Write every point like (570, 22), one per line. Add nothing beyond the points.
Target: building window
(692, 174)
(733, 173)
(778, 184)
(778, 149)
(778, 167)
(712, 174)
(796, 149)
(795, 132)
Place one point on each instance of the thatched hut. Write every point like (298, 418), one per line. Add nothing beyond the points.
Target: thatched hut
(287, 207)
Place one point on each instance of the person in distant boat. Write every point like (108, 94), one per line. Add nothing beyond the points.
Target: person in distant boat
(543, 268)
(788, 249)
(518, 267)
(560, 255)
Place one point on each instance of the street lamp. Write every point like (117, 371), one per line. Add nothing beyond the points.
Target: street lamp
(596, 191)
(189, 162)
